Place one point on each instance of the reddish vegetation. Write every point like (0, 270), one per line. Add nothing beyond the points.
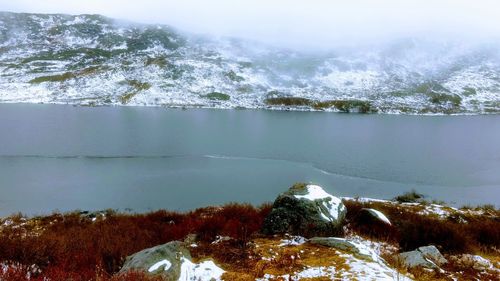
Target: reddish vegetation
(73, 247)
(411, 230)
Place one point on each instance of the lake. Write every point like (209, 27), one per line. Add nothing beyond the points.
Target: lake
(62, 157)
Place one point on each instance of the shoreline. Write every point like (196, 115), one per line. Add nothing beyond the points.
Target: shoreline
(256, 108)
(424, 207)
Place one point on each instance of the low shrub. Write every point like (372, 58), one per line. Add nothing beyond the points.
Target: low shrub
(66, 245)
(411, 230)
(410, 197)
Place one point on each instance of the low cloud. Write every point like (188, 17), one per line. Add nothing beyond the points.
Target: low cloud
(314, 23)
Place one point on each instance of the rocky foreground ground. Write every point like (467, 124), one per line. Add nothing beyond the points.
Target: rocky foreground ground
(306, 234)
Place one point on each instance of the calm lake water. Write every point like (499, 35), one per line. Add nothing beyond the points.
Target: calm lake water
(58, 157)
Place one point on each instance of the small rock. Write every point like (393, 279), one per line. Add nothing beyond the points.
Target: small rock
(376, 215)
(305, 210)
(426, 257)
(474, 261)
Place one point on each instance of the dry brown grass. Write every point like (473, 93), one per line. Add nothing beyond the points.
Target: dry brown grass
(266, 256)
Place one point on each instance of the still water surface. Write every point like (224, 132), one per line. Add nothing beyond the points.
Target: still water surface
(58, 157)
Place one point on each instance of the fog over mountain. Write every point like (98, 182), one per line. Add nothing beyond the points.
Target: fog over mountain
(416, 57)
(316, 23)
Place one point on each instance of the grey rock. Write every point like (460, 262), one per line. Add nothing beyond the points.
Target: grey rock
(376, 215)
(172, 252)
(305, 210)
(352, 247)
(414, 259)
(432, 253)
(426, 257)
(476, 262)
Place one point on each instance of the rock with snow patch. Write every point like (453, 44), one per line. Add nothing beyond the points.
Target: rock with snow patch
(375, 215)
(356, 249)
(426, 257)
(305, 210)
(164, 260)
(172, 261)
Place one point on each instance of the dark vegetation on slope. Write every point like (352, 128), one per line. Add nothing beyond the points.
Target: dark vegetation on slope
(340, 105)
(73, 246)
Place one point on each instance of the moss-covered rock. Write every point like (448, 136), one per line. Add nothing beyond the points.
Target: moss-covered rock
(305, 210)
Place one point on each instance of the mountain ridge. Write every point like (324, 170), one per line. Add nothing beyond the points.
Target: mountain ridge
(95, 60)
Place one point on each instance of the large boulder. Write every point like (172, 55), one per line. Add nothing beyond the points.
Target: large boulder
(165, 260)
(426, 257)
(306, 210)
(172, 261)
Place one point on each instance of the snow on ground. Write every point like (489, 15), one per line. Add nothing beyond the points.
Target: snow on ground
(204, 271)
(362, 261)
(363, 270)
(423, 208)
(358, 269)
(293, 241)
(365, 199)
(439, 210)
(377, 246)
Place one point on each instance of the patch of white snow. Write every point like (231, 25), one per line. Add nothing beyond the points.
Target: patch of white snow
(204, 271)
(159, 264)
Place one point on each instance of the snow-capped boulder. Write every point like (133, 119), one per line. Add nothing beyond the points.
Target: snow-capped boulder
(306, 210)
(426, 257)
(376, 215)
(172, 261)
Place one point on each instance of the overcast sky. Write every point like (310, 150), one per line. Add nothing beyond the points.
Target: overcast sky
(291, 22)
